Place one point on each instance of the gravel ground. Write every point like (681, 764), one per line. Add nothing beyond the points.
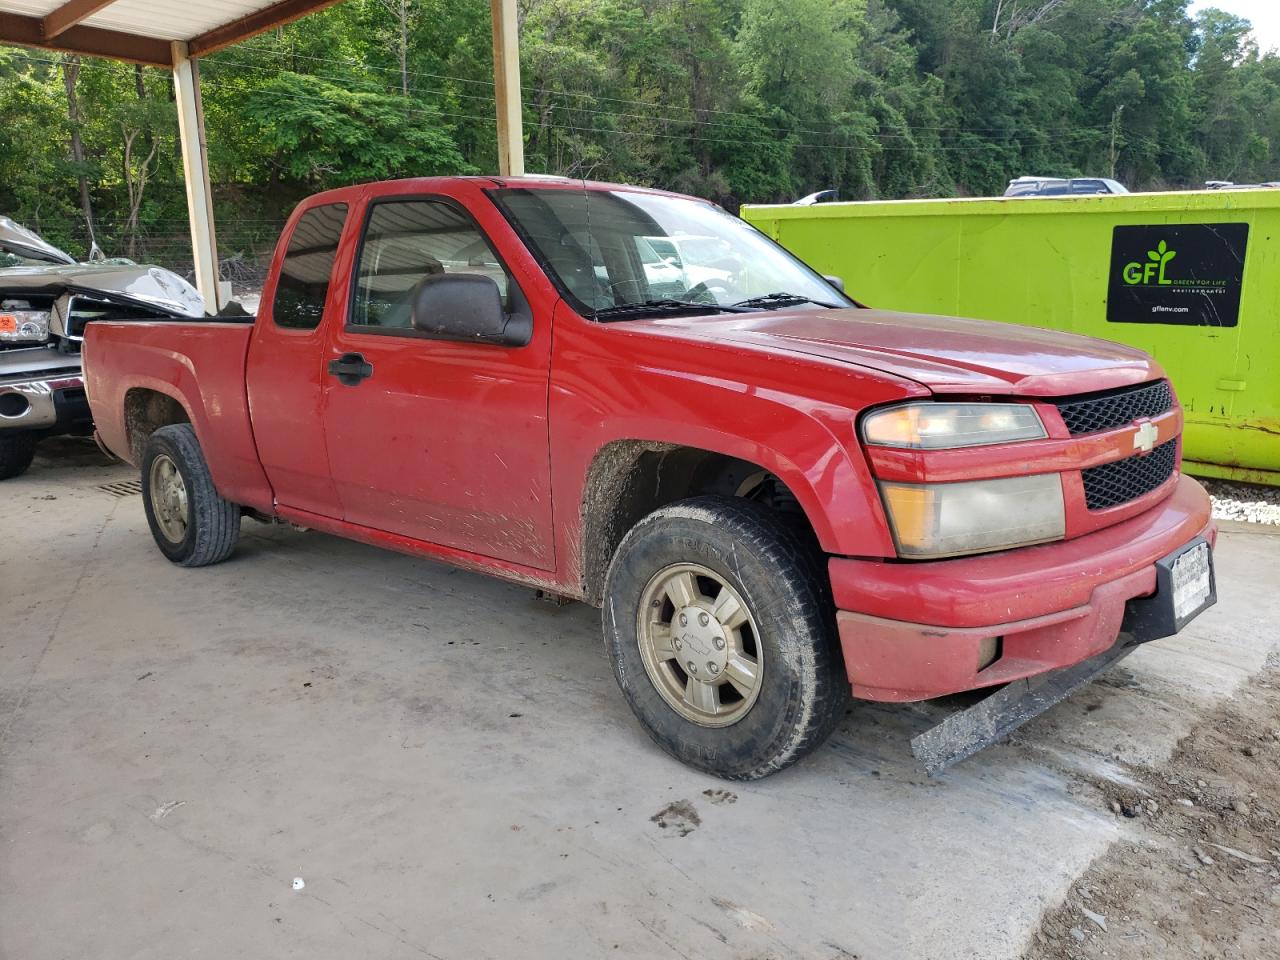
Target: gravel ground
(1244, 501)
(1200, 880)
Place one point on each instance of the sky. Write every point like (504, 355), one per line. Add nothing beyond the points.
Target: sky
(1265, 15)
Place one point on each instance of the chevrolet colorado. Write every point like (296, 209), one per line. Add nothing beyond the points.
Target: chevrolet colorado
(776, 496)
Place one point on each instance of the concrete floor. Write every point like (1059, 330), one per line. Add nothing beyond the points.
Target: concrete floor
(448, 765)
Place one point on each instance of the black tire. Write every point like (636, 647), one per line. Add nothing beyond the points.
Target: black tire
(17, 450)
(212, 523)
(803, 687)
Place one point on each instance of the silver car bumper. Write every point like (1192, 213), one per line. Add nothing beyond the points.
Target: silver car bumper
(33, 403)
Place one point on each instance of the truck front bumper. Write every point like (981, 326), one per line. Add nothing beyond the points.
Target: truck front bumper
(981, 621)
(56, 402)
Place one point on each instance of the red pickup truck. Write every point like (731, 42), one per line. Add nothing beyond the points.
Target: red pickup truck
(633, 398)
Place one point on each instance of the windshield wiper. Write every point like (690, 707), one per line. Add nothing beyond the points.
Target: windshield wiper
(667, 305)
(776, 299)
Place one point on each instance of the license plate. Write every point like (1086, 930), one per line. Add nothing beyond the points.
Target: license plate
(1185, 588)
(1191, 582)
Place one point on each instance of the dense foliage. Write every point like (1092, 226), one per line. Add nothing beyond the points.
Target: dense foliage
(739, 100)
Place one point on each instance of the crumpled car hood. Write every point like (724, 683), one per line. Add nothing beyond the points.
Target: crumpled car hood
(946, 354)
(17, 239)
(155, 286)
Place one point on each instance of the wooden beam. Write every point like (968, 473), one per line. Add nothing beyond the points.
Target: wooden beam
(506, 87)
(89, 41)
(71, 13)
(195, 171)
(276, 15)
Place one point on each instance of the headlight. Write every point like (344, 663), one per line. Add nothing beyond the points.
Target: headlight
(939, 426)
(947, 519)
(24, 325)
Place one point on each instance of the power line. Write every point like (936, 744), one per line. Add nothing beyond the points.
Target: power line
(1080, 133)
(281, 55)
(691, 121)
(870, 148)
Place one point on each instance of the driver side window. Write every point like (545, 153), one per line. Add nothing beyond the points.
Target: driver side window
(407, 241)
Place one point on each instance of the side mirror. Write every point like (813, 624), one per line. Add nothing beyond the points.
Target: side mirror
(467, 307)
(837, 282)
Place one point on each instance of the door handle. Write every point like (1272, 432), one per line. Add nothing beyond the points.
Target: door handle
(351, 368)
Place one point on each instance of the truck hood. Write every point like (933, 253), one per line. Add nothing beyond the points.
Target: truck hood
(945, 354)
(156, 287)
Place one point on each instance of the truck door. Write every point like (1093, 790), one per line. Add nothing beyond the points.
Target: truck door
(438, 440)
(284, 374)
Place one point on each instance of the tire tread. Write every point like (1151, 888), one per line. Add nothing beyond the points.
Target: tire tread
(17, 450)
(790, 550)
(215, 519)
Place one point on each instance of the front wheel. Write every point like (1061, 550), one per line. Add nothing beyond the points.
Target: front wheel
(17, 450)
(721, 637)
(192, 524)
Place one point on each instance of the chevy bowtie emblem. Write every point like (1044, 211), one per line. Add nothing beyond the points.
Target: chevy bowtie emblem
(1145, 437)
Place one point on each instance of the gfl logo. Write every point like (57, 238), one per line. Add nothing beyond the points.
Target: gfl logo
(1135, 273)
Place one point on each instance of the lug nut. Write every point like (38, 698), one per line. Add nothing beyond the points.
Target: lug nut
(693, 668)
(675, 642)
(684, 621)
(712, 668)
(703, 619)
(719, 642)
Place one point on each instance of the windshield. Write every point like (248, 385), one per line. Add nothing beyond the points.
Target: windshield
(612, 249)
(9, 258)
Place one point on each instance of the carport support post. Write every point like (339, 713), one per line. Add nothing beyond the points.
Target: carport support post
(195, 169)
(506, 87)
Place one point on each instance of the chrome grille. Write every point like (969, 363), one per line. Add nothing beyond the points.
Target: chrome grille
(1115, 408)
(1123, 480)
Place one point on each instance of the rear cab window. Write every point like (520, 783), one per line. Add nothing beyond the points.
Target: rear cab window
(303, 285)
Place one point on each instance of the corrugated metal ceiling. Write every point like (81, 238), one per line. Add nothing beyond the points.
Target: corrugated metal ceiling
(158, 19)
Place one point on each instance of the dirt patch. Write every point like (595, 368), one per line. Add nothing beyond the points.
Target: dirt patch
(1201, 877)
(680, 817)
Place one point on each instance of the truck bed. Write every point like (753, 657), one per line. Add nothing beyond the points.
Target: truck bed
(201, 362)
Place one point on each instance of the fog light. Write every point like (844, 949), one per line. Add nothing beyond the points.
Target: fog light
(988, 652)
(13, 405)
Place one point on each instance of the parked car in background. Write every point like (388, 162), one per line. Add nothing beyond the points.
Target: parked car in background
(46, 298)
(775, 496)
(1230, 185)
(1062, 187)
(681, 263)
(820, 196)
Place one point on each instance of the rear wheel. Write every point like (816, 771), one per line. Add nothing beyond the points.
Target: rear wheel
(722, 637)
(17, 450)
(192, 524)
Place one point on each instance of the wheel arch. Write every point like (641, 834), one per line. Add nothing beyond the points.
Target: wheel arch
(628, 479)
(146, 410)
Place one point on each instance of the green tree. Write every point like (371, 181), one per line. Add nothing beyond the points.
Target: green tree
(326, 135)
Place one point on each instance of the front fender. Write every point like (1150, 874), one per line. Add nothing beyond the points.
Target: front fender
(788, 414)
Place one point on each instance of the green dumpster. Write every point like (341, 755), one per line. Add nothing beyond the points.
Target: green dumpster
(1192, 278)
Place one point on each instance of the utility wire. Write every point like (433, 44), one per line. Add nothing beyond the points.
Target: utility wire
(283, 55)
(867, 147)
(395, 90)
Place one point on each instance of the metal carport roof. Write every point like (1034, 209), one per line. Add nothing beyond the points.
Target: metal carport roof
(142, 31)
(175, 33)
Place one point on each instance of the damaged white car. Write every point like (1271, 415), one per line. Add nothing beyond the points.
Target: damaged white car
(46, 298)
